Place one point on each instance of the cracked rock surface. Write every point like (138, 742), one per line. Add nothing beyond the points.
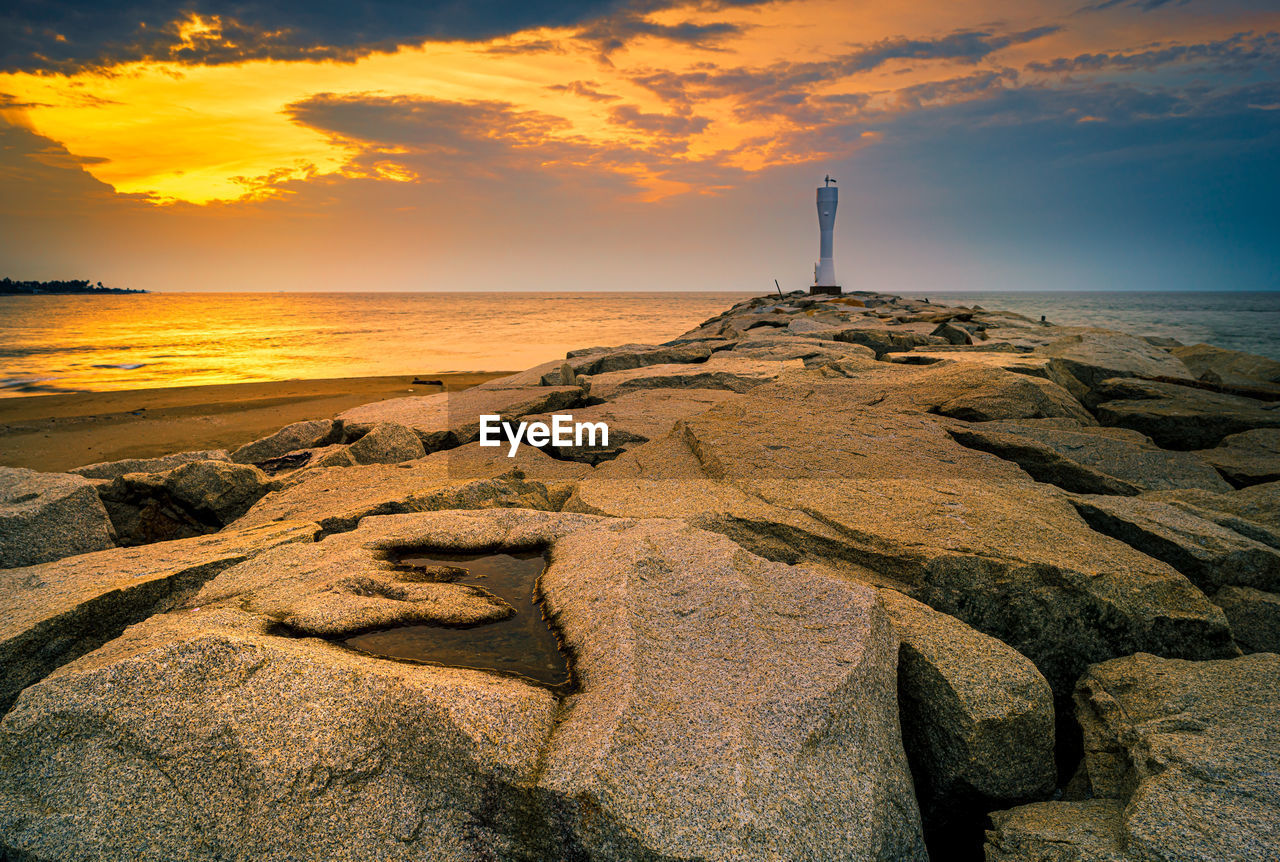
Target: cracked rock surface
(977, 717)
(1181, 758)
(53, 612)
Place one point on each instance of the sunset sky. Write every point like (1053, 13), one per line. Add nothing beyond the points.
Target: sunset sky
(582, 145)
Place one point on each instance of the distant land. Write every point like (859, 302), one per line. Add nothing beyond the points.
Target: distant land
(9, 287)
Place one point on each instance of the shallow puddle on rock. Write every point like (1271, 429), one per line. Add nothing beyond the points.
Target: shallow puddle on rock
(522, 645)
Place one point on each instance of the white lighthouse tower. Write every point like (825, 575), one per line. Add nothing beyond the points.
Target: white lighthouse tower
(824, 271)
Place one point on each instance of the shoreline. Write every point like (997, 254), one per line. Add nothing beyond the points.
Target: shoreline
(53, 433)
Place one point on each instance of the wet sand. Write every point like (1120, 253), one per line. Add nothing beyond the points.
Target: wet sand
(56, 432)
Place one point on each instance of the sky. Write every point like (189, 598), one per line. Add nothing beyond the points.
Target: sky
(248, 145)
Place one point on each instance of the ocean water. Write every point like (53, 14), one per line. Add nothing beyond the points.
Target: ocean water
(1235, 320)
(89, 343)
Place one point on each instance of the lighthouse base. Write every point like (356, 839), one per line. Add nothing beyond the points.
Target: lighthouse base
(824, 290)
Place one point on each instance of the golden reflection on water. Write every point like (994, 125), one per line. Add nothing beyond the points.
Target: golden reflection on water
(97, 343)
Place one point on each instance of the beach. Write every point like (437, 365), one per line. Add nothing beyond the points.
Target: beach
(57, 432)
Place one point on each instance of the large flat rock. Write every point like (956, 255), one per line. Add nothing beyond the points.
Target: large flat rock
(469, 477)
(116, 469)
(448, 419)
(350, 582)
(1230, 367)
(882, 341)
(720, 372)
(341, 586)
(1257, 504)
(1254, 616)
(732, 708)
(601, 360)
(546, 374)
(972, 392)
(246, 741)
(663, 479)
(811, 351)
(47, 516)
(1091, 460)
(203, 737)
(300, 435)
(637, 417)
(1193, 747)
(1181, 417)
(53, 612)
(981, 354)
(1085, 831)
(976, 539)
(1247, 458)
(1211, 555)
(804, 474)
(1094, 355)
(990, 393)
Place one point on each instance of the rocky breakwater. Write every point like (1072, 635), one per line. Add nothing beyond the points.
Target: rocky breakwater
(854, 577)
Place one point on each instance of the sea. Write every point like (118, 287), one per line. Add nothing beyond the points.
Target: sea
(60, 344)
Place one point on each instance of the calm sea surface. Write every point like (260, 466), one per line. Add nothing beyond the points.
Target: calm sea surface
(71, 343)
(1239, 321)
(78, 343)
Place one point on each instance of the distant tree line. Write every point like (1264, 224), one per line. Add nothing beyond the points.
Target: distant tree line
(9, 287)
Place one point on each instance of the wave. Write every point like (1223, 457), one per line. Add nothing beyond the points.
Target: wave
(47, 349)
(33, 385)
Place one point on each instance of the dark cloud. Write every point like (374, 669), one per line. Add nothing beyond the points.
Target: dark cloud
(1144, 5)
(783, 89)
(1241, 52)
(446, 142)
(952, 90)
(443, 129)
(40, 177)
(612, 34)
(10, 102)
(586, 89)
(64, 35)
(965, 46)
(671, 125)
(439, 140)
(530, 46)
